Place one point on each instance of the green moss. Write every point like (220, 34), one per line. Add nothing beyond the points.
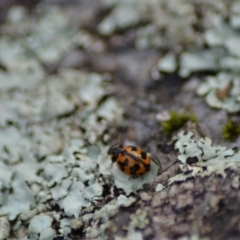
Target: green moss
(231, 130)
(176, 121)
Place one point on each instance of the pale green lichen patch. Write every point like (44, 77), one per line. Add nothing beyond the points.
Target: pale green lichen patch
(65, 226)
(216, 50)
(122, 16)
(199, 157)
(92, 192)
(168, 63)
(235, 182)
(51, 125)
(159, 187)
(5, 176)
(133, 234)
(69, 186)
(74, 201)
(198, 61)
(61, 178)
(124, 201)
(174, 18)
(11, 136)
(18, 65)
(39, 223)
(48, 36)
(20, 200)
(235, 17)
(47, 234)
(222, 91)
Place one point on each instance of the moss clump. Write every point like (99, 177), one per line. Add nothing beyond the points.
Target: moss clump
(176, 121)
(231, 130)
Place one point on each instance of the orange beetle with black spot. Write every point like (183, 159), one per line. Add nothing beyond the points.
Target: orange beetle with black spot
(130, 160)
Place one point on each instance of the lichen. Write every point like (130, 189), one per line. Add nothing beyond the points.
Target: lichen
(38, 224)
(175, 19)
(20, 200)
(168, 63)
(159, 187)
(221, 91)
(196, 61)
(199, 157)
(51, 152)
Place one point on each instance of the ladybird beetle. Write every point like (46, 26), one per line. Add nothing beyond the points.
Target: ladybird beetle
(130, 160)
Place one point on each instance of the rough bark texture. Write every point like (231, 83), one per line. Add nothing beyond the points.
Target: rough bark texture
(206, 207)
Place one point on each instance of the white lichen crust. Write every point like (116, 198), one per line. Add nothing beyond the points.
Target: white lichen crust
(199, 157)
(53, 162)
(222, 91)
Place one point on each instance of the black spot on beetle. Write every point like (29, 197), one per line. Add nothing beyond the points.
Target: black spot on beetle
(147, 167)
(134, 169)
(143, 155)
(123, 164)
(134, 148)
(126, 162)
